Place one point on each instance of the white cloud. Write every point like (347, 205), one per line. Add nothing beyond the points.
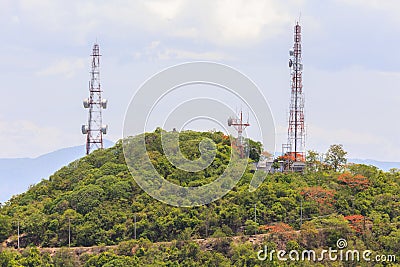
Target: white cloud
(165, 9)
(15, 19)
(355, 100)
(187, 32)
(238, 21)
(223, 22)
(157, 51)
(387, 5)
(153, 45)
(52, 13)
(391, 8)
(190, 55)
(234, 23)
(64, 67)
(26, 139)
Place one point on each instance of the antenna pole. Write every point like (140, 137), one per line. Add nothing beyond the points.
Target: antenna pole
(69, 232)
(301, 212)
(255, 213)
(255, 217)
(94, 130)
(207, 225)
(18, 234)
(135, 225)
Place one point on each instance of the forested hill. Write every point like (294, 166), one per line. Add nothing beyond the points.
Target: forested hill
(101, 200)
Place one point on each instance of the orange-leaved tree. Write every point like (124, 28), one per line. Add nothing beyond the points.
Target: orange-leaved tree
(323, 197)
(356, 182)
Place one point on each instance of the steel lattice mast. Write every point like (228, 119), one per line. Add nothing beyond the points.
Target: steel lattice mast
(296, 131)
(94, 130)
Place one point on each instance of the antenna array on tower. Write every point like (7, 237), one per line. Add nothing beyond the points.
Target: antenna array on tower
(295, 148)
(94, 130)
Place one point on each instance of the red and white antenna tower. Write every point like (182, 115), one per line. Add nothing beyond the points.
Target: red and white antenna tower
(296, 131)
(94, 130)
(239, 126)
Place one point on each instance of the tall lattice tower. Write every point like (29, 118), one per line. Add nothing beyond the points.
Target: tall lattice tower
(296, 130)
(94, 130)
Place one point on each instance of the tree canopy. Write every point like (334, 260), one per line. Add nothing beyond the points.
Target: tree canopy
(97, 199)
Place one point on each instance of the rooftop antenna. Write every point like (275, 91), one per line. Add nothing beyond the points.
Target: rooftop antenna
(94, 129)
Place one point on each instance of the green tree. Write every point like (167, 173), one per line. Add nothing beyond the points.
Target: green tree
(251, 227)
(101, 259)
(5, 227)
(243, 255)
(87, 198)
(255, 149)
(122, 262)
(65, 258)
(313, 161)
(8, 258)
(31, 257)
(336, 157)
(106, 206)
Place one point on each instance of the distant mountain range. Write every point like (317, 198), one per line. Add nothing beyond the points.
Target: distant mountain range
(385, 166)
(17, 174)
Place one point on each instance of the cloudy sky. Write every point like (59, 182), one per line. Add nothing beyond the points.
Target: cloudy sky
(350, 54)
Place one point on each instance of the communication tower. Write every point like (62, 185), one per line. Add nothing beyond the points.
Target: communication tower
(94, 129)
(296, 131)
(239, 126)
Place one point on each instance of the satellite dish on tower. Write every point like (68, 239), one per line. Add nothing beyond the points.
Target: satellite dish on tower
(104, 103)
(230, 122)
(104, 129)
(85, 129)
(86, 103)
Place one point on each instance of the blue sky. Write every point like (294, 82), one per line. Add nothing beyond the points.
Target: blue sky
(351, 69)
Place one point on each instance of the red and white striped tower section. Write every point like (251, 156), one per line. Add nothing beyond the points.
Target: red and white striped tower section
(296, 131)
(94, 130)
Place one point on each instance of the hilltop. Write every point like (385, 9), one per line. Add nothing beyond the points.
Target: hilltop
(17, 174)
(101, 200)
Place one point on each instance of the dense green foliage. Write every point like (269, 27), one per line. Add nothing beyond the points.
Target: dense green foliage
(100, 199)
(336, 157)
